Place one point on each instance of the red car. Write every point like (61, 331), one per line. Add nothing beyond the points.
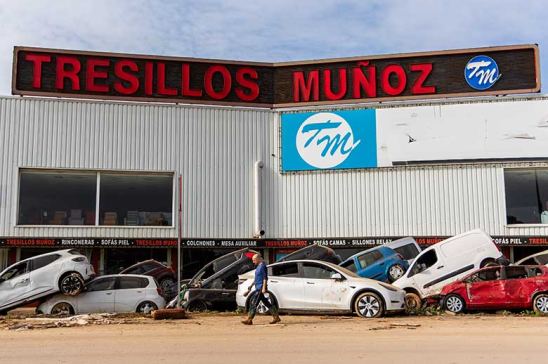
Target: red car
(501, 287)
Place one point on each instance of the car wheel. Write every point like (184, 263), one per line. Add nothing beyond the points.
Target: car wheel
(454, 303)
(540, 303)
(369, 305)
(62, 308)
(413, 302)
(197, 306)
(395, 272)
(71, 284)
(146, 307)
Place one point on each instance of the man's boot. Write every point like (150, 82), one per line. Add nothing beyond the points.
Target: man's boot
(247, 321)
(275, 319)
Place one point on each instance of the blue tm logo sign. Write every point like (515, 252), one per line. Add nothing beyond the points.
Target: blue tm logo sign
(481, 72)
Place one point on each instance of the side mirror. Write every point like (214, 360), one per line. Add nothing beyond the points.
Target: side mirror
(337, 276)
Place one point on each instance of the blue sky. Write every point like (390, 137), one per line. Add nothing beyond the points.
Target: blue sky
(268, 30)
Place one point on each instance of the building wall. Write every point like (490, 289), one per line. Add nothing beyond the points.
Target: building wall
(215, 150)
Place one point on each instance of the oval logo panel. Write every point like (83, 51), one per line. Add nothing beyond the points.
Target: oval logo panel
(325, 140)
(481, 72)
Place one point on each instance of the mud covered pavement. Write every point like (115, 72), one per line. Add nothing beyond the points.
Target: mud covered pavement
(220, 338)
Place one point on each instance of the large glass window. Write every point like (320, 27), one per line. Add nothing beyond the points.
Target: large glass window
(136, 200)
(526, 196)
(57, 198)
(70, 198)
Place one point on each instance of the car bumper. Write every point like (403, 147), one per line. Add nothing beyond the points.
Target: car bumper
(395, 301)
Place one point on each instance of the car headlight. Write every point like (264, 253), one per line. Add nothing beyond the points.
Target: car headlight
(79, 259)
(388, 287)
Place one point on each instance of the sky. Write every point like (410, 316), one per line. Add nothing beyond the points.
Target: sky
(268, 30)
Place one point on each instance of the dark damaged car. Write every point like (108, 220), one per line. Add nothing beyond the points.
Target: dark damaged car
(313, 252)
(214, 286)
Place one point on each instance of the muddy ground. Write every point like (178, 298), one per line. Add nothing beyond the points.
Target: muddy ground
(221, 338)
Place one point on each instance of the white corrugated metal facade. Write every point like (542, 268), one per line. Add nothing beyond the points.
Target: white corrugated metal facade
(214, 149)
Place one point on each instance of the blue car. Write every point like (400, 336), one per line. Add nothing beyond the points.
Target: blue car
(380, 263)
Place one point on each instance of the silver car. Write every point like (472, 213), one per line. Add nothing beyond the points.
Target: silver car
(64, 271)
(111, 293)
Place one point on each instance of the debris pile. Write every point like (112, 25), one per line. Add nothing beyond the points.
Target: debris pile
(30, 323)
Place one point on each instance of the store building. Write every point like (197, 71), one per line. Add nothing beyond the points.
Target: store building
(103, 175)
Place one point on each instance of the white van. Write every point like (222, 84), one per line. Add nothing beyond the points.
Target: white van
(445, 262)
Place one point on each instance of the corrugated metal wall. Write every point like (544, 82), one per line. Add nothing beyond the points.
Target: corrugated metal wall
(215, 149)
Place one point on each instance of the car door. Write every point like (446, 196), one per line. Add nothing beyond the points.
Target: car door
(15, 284)
(98, 297)
(129, 292)
(43, 275)
(518, 286)
(424, 274)
(486, 289)
(287, 285)
(320, 290)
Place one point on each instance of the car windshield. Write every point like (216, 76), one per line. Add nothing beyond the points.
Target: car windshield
(347, 272)
(215, 267)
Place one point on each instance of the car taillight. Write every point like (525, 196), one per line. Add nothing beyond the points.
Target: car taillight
(159, 290)
(79, 259)
(249, 255)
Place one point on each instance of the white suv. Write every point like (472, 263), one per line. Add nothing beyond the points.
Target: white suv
(317, 286)
(33, 278)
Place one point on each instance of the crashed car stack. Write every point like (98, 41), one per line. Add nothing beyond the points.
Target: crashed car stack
(464, 272)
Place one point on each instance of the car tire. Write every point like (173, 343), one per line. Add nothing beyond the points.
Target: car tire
(368, 305)
(71, 284)
(454, 303)
(540, 303)
(197, 306)
(146, 307)
(413, 302)
(395, 272)
(62, 309)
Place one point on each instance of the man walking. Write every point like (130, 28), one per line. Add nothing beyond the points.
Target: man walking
(261, 278)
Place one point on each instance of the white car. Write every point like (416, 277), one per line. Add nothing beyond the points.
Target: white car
(535, 259)
(63, 271)
(111, 293)
(446, 262)
(317, 286)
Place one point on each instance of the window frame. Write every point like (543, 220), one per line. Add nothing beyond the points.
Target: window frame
(504, 200)
(98, 172)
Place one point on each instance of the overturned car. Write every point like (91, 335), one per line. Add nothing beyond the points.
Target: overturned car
(215, 285)
(313, 252)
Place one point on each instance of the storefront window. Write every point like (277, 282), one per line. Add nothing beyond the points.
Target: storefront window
(136, 200)
(70, 198)
(526, 196)
(57, 198)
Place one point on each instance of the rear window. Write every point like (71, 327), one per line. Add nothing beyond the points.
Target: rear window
(132, 282)
(408, 251)
(41, 262)
(285, 270)
(74, 252)
(369, 258)
(542, 259)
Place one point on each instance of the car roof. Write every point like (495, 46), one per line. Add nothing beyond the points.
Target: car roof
(62, 252)
(379, 247)
(305, 261)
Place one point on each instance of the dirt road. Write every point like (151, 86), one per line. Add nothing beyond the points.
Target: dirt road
(209, 338)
